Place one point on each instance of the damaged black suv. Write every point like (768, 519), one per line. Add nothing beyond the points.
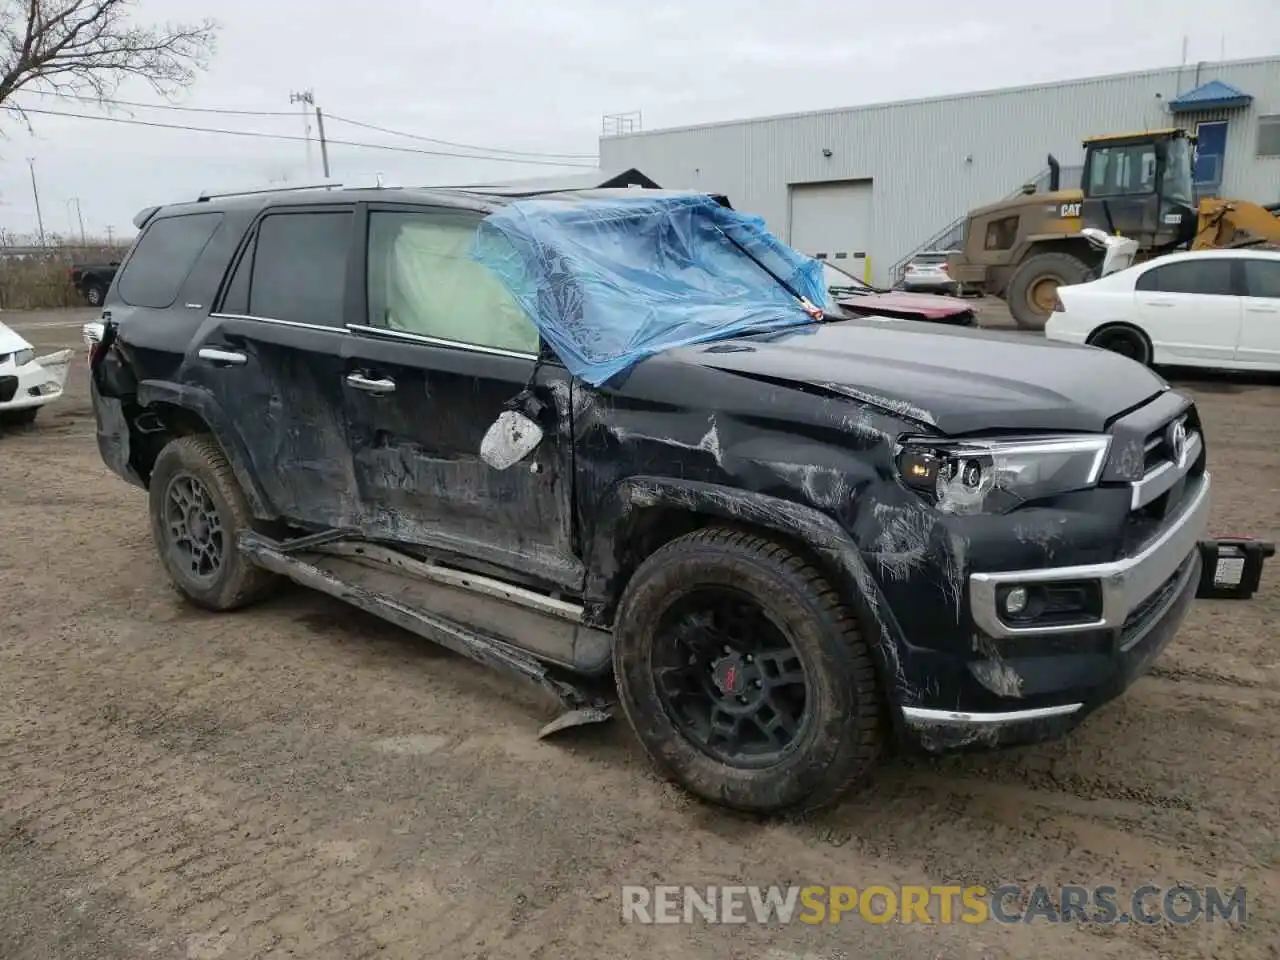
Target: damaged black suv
(601, 432)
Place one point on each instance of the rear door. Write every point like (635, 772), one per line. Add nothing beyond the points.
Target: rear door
(272, 356)
(1191, 309)
(431, 364)
(1260, 327)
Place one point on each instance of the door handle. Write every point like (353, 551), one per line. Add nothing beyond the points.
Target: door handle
(1159, 303)
(1262, 309)
(230, 358)
(368, 385)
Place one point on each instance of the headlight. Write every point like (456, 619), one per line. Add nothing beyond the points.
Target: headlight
(994, 476)
(23, 357)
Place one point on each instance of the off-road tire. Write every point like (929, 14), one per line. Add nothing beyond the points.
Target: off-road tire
(1125, 340)
(94, 294)
(845, 740)
(1062, 267)
(238, 582)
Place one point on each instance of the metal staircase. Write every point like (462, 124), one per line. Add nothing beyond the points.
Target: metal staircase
(951, 236)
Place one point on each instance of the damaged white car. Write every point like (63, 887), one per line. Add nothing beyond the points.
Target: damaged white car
(28, 382)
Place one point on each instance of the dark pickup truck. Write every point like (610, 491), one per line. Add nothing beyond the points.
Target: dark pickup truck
(93, 280)
(595, 434)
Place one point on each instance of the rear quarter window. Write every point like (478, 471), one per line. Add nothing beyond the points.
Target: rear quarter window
(163, 258)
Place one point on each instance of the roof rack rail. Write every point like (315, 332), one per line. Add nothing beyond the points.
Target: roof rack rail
(249, 193)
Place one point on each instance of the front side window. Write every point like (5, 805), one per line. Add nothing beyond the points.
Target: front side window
(423, 281)
(1177, 171)
(1207, 276)
(163, 259)
(1122, 170)
(299, 264)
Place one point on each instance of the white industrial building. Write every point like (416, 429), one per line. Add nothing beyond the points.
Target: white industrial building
(872, 185)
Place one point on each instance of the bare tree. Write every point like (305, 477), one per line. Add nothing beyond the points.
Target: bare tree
(89, 47)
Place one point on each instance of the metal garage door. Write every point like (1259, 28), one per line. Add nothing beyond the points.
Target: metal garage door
(834, 221)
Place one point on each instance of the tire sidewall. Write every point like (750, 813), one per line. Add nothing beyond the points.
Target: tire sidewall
(1107, 337)
(823, 651)
(177, 459)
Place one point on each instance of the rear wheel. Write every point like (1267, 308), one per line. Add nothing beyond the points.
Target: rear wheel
(197, 515)
(744, 675)
(1127, 341)
(94, 294)
(1035, 285)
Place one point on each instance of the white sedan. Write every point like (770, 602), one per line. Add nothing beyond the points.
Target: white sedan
(28, 382)
(1210, 308)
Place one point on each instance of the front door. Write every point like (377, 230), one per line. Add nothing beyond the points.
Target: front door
(271, 354)
(1191, 309)
(1211, 156)
(442, 350)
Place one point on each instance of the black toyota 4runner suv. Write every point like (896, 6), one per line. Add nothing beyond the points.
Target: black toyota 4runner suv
(791, 548)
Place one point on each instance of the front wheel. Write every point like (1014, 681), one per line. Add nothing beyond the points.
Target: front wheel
(197, 515)
(94, 294)
(744, 674)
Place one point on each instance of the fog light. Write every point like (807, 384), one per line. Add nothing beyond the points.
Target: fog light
(1015, 601)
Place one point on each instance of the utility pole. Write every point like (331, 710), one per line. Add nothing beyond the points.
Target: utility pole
(324, 144)
(31, 162)
(111, 235)
(80, 217)
(307, 99)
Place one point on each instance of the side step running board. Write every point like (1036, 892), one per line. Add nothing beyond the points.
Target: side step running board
(579, 704)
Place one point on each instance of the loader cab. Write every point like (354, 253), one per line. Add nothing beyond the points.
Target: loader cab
(1140, 185)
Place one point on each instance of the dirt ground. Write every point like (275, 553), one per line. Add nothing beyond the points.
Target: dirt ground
(300, 780)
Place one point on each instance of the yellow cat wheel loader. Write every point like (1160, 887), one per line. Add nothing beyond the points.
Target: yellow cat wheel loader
(1138, 185)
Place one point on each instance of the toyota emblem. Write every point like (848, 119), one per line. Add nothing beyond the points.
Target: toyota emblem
(1177, 439)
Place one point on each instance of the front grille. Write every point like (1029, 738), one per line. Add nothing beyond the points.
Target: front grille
(8, 387)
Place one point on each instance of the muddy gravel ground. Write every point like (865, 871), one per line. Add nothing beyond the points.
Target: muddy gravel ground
(301, 780)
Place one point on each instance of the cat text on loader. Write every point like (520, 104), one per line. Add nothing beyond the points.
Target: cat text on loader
(1138, 185)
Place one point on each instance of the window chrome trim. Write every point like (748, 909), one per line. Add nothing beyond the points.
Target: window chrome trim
(384, 333)
(281, 323)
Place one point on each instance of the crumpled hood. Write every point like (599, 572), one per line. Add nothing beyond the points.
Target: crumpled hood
(957, 380)
(924, 304)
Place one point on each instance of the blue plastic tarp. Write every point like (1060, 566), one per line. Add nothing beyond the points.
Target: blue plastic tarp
(611, 280)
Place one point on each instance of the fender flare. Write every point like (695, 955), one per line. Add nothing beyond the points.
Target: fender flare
(822, 535)
(202, 403)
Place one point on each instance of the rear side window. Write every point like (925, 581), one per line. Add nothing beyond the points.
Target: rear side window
(1208, 277)
(299, 264)
(163, 258)
(1262, 278)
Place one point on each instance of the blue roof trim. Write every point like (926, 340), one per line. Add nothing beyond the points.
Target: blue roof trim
(1214, 95)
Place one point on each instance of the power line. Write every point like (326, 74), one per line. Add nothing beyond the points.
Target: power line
(284, 113)
(158, 106)
(451, 143)
(295, 139)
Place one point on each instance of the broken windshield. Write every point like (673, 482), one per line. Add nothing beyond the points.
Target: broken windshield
(609, 280)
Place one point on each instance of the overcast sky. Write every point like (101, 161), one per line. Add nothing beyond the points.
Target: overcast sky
(538, 76)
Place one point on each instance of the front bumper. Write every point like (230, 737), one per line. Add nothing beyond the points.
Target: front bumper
(34, 384)
(1047, 679)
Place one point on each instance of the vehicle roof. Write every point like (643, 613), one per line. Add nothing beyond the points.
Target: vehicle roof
(482, 201)
(1138, 134)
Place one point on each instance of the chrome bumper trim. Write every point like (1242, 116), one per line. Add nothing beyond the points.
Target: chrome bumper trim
(920, 716)
(1125, 583)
